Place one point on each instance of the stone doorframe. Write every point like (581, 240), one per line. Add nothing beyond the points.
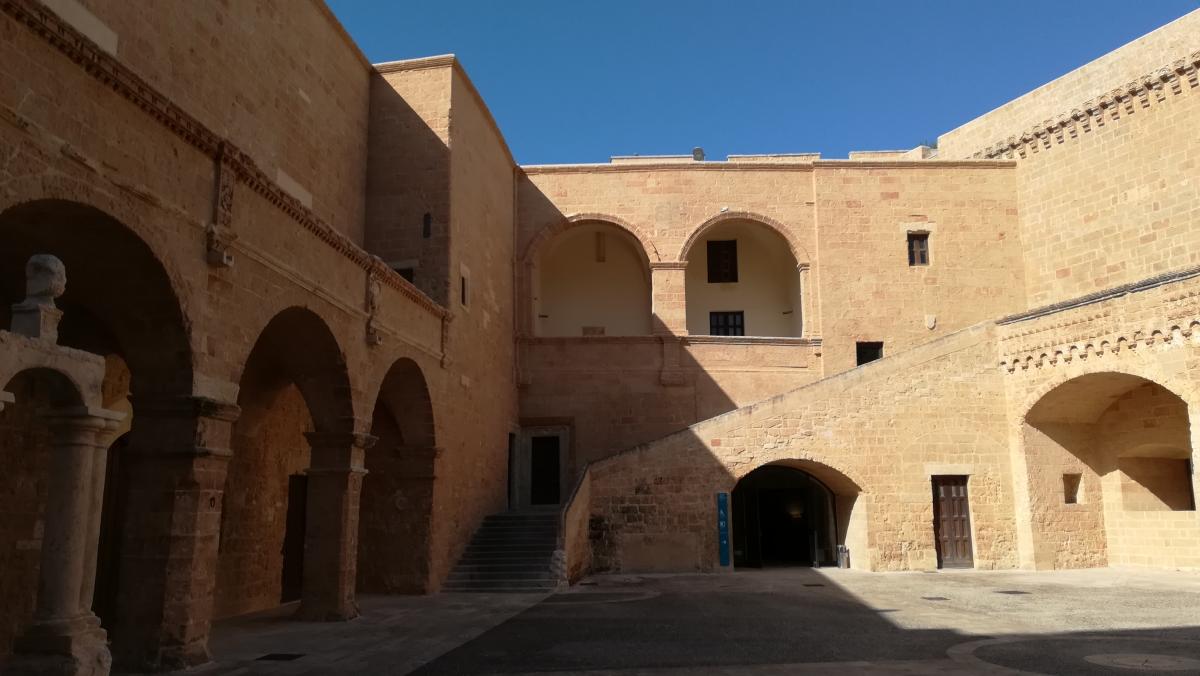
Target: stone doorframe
(523, 465)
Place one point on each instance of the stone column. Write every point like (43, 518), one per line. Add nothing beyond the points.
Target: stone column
(65, 637)
(177, 460)
(99, 473)
(331, 532)
(669, 298)
(809, 324)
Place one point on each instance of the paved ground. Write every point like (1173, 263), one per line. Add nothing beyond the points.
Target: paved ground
(788, 621)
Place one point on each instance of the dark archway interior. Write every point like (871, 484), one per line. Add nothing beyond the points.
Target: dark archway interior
(289, 388)
(397, 493)
(782, 517)
(119, 303)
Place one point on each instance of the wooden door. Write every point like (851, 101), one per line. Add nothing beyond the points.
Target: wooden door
(952, 522)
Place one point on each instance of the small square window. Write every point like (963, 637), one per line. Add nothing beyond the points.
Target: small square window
(868, 352)
(918, 248)
(722, 261)
(727, 323)
(1071, 488)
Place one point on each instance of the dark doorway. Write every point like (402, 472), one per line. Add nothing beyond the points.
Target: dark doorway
(952, 522)
(293, 539)
(782, 517)
(112, 515)
(544, 471)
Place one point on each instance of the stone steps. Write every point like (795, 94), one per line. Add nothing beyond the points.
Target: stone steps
(512, 552)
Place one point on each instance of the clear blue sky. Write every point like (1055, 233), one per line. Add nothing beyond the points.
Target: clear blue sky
(580, 80)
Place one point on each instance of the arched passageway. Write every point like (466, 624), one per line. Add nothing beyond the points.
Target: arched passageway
(397, 492)
(794, 514)
(742, 280)
(120, 303)
(1109, 459)
(294, 397)
(591, 280)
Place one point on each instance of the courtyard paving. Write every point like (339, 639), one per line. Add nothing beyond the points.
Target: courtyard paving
(783, 621)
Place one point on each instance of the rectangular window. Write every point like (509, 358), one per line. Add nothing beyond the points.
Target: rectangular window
(405, 272)
(918, 248)
(868, 352)
(1071, 488)
(727, 323)
(722, 261)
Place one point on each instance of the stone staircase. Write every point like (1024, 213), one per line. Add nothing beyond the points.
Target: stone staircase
(511, 552)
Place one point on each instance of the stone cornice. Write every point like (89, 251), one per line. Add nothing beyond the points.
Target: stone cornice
(128, 84)
(534, 169)
(802, 167)
(1100, 296)
(1150, 89)
(439, 61)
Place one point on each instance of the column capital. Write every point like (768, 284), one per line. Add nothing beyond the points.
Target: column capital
(668, 265)
(92, 417)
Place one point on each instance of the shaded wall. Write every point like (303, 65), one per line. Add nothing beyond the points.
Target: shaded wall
(281, 79)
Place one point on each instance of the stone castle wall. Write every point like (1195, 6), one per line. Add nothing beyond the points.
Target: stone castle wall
(1105, 179)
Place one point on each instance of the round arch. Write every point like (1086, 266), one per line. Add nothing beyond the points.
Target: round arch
(316, 365)
(580, 285)
(798, 252)
(797, 512)
(120, 298)
(396, 507)
(1107, 454)
(747, 281)
(294, 389)
(574, 220)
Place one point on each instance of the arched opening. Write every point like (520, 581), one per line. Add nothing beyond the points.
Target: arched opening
(119, 303)
(397, 492)
(289, 389)
(591, 280)
(742, 280)
(25, 443)
(1110, 473)
(793, 514)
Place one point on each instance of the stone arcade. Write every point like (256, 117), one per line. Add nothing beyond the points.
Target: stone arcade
(320, 327)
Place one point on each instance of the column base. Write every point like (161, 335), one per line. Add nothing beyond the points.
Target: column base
(74, 647)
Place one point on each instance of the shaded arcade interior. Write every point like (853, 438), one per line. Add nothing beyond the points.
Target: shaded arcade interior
(782, 515)
(1110, 470)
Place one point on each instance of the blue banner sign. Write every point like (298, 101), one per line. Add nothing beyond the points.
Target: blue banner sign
(723, 527)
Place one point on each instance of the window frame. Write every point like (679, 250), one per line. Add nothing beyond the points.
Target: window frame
(739, 325)
(917, 244)
(727, 258)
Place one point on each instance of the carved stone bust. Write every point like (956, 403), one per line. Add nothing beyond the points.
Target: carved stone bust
(45, 280)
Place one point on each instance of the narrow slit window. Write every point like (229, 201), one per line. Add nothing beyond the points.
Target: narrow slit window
(918, 248)
(464, 296)
(427, 225)
(727, 323)
(1071, 488)
(867, 352)
(722, 261)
